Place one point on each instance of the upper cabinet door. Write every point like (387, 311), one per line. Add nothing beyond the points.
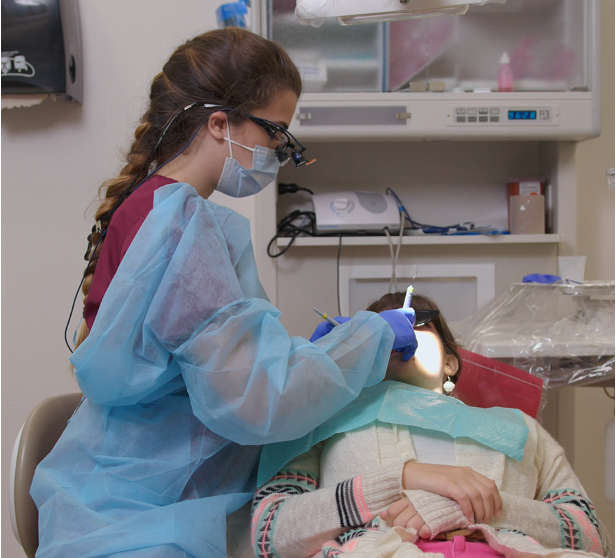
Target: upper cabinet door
(548, 43)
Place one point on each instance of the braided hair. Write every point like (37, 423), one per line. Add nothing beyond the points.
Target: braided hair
(230, 67)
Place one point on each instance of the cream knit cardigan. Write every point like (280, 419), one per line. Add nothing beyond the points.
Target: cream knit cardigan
(324, 501)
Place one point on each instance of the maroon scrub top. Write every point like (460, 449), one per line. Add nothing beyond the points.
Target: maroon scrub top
(124, 225)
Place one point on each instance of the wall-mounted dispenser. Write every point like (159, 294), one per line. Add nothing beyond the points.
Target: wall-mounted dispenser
(41, 48)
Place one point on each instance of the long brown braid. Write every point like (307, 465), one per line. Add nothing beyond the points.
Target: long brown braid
(229, 67)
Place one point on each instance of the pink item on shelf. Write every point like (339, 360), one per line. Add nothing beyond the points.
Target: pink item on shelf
(536, 59)
(522, 59)
(505, 75)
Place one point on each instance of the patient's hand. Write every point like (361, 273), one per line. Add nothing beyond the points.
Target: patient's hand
(403, 514)
(477, 495)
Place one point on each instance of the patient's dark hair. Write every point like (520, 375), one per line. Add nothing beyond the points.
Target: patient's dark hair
(419, 302)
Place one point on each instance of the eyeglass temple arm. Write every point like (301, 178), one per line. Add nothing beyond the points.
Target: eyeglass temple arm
(281, 129)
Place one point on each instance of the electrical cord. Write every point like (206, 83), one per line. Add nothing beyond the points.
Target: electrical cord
(338, 273)
(286, 228)
(430, 229)
(85, 273)
(400, 237)
(292, 189)
(393, 281)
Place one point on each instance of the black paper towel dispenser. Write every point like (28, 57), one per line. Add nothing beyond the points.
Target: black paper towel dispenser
(41, 48)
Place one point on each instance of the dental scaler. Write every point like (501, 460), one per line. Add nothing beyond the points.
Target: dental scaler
(410, 290)
(326, 317)
(409, 297)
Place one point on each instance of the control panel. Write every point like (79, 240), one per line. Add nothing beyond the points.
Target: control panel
(499, 116)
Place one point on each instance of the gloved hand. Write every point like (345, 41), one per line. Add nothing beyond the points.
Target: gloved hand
(402, 321)
(325, 327)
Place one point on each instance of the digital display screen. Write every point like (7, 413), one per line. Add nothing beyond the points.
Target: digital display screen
(522, 115)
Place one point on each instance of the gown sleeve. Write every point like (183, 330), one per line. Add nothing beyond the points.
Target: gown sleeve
(186, 308)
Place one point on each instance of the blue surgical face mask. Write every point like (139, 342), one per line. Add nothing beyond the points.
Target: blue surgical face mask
(237, 181)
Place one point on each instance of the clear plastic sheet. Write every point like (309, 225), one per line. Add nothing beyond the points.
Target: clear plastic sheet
(562, 333)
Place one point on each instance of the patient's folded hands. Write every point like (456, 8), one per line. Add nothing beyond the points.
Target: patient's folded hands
(476, 494)
(403, 514)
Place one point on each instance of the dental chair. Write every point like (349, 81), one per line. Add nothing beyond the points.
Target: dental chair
(486, 382)
(35, 440)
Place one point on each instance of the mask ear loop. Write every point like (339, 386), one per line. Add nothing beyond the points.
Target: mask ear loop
(229, 139)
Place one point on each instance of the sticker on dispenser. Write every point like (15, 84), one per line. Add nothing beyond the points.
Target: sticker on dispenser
(16, 65)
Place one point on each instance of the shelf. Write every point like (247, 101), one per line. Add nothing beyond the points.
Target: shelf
(424, 240)
(351, 64)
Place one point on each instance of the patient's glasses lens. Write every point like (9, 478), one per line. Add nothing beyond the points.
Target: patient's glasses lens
(424, 317)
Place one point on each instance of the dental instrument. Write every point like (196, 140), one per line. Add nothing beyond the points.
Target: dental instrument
(410, 290)
(422, 317)
(408, 297)
(326, 317)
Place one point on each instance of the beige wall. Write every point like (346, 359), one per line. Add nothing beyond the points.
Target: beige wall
(56, 155)
(595, 201)
(585, 411)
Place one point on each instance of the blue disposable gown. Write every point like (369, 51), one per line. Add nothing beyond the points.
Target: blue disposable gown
(187, 372)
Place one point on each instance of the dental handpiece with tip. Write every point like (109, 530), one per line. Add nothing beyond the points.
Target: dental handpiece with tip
(422, 317)
(409, 292)
(326, 317)
(409, 297)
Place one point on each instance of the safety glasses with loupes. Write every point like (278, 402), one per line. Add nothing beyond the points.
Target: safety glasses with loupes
(282, 142)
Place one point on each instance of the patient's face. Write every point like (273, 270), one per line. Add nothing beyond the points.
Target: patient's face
(429, 365)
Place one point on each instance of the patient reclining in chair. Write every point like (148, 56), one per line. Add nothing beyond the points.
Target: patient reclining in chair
(407, 470)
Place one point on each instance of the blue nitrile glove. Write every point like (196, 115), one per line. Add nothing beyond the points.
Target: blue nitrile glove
(540, 278)
(402, 321)
(325, 327)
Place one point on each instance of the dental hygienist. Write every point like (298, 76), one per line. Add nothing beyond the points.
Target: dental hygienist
(184, 364)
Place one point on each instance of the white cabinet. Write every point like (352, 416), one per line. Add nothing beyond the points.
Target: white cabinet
(413, 78)
(370, 127)
(547, 42)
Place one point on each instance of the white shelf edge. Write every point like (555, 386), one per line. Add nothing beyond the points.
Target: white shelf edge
(425, 240)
